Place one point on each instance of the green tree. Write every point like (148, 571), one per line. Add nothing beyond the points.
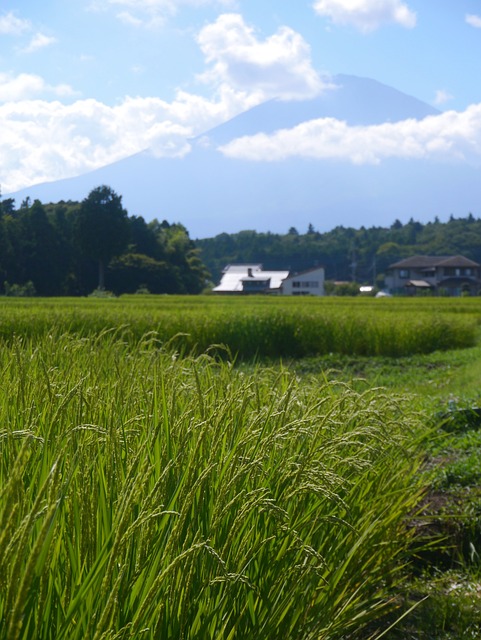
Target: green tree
(131, 272)
(7, 206)
(183, 256)
(143, 238)
(62, 216)
(102, 228)
(39, 250)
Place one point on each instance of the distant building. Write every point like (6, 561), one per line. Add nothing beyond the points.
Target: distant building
(307, 283)
(449, 275)
(251, 278)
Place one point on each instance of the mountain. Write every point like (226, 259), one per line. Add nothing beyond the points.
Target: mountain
(357, 101)
(210, 193)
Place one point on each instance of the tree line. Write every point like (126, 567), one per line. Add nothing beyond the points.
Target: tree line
(350, 255)
(74, 248)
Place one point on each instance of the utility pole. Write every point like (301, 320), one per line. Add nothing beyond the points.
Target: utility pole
(353, 264)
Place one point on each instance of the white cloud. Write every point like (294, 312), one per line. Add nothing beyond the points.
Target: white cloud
(448, 136)
(473, 20)
(128, 18)
(43, 141)
(48, 140)
(442, 97)
(39, 41)
(11, 25)
(27, 85)
(278, 66)
(366, 15)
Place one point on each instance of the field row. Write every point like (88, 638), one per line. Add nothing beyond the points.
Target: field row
(256, 327)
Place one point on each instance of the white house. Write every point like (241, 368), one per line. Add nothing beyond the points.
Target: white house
(251, 278)
(307, 283)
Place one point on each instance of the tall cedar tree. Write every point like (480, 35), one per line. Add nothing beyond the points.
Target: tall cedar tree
(102, 228)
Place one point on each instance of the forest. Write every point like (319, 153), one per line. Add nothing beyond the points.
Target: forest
(350, 255)
(76, 248)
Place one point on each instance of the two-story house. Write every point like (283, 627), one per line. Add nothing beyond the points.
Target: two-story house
(448, 275)
(252, 278)
(306, 283)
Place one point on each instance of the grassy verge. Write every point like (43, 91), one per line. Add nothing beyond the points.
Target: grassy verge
(445, 582)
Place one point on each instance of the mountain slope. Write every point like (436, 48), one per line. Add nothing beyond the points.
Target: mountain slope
(357, 101)
(210, 193)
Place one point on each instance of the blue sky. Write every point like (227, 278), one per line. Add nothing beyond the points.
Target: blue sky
(87, 82)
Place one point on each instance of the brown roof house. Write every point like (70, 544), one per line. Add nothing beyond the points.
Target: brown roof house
(441, 275)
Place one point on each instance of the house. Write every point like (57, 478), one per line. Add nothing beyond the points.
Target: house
(251, 278)
(307, 283)
(449, 275)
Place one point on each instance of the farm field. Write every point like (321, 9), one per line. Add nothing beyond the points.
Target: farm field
(153, 485)
(258, 326)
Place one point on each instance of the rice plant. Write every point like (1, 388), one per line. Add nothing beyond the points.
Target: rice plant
(148, 495)
(255, 327)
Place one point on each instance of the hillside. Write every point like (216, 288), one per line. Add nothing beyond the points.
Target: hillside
(361, 254)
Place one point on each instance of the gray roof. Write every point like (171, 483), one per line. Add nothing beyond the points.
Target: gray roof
(234, 276)
(425, 262)
(297, 274)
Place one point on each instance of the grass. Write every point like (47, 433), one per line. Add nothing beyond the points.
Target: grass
(151, 490)
(253, 327)
(146, 495)
(445, 582)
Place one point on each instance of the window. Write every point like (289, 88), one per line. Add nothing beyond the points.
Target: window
(255, 285)
(306, 284)
(404, 273)
(458, 271)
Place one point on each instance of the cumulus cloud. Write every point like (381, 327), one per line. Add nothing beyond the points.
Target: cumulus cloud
(473, 20)
(44, 141)
(366, 15)
(448, 136)
(39, 41)
(13, 26)
(278, 66)
(27, 85)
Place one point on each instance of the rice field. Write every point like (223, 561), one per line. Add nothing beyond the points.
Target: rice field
(149, 488)
(257, 327)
